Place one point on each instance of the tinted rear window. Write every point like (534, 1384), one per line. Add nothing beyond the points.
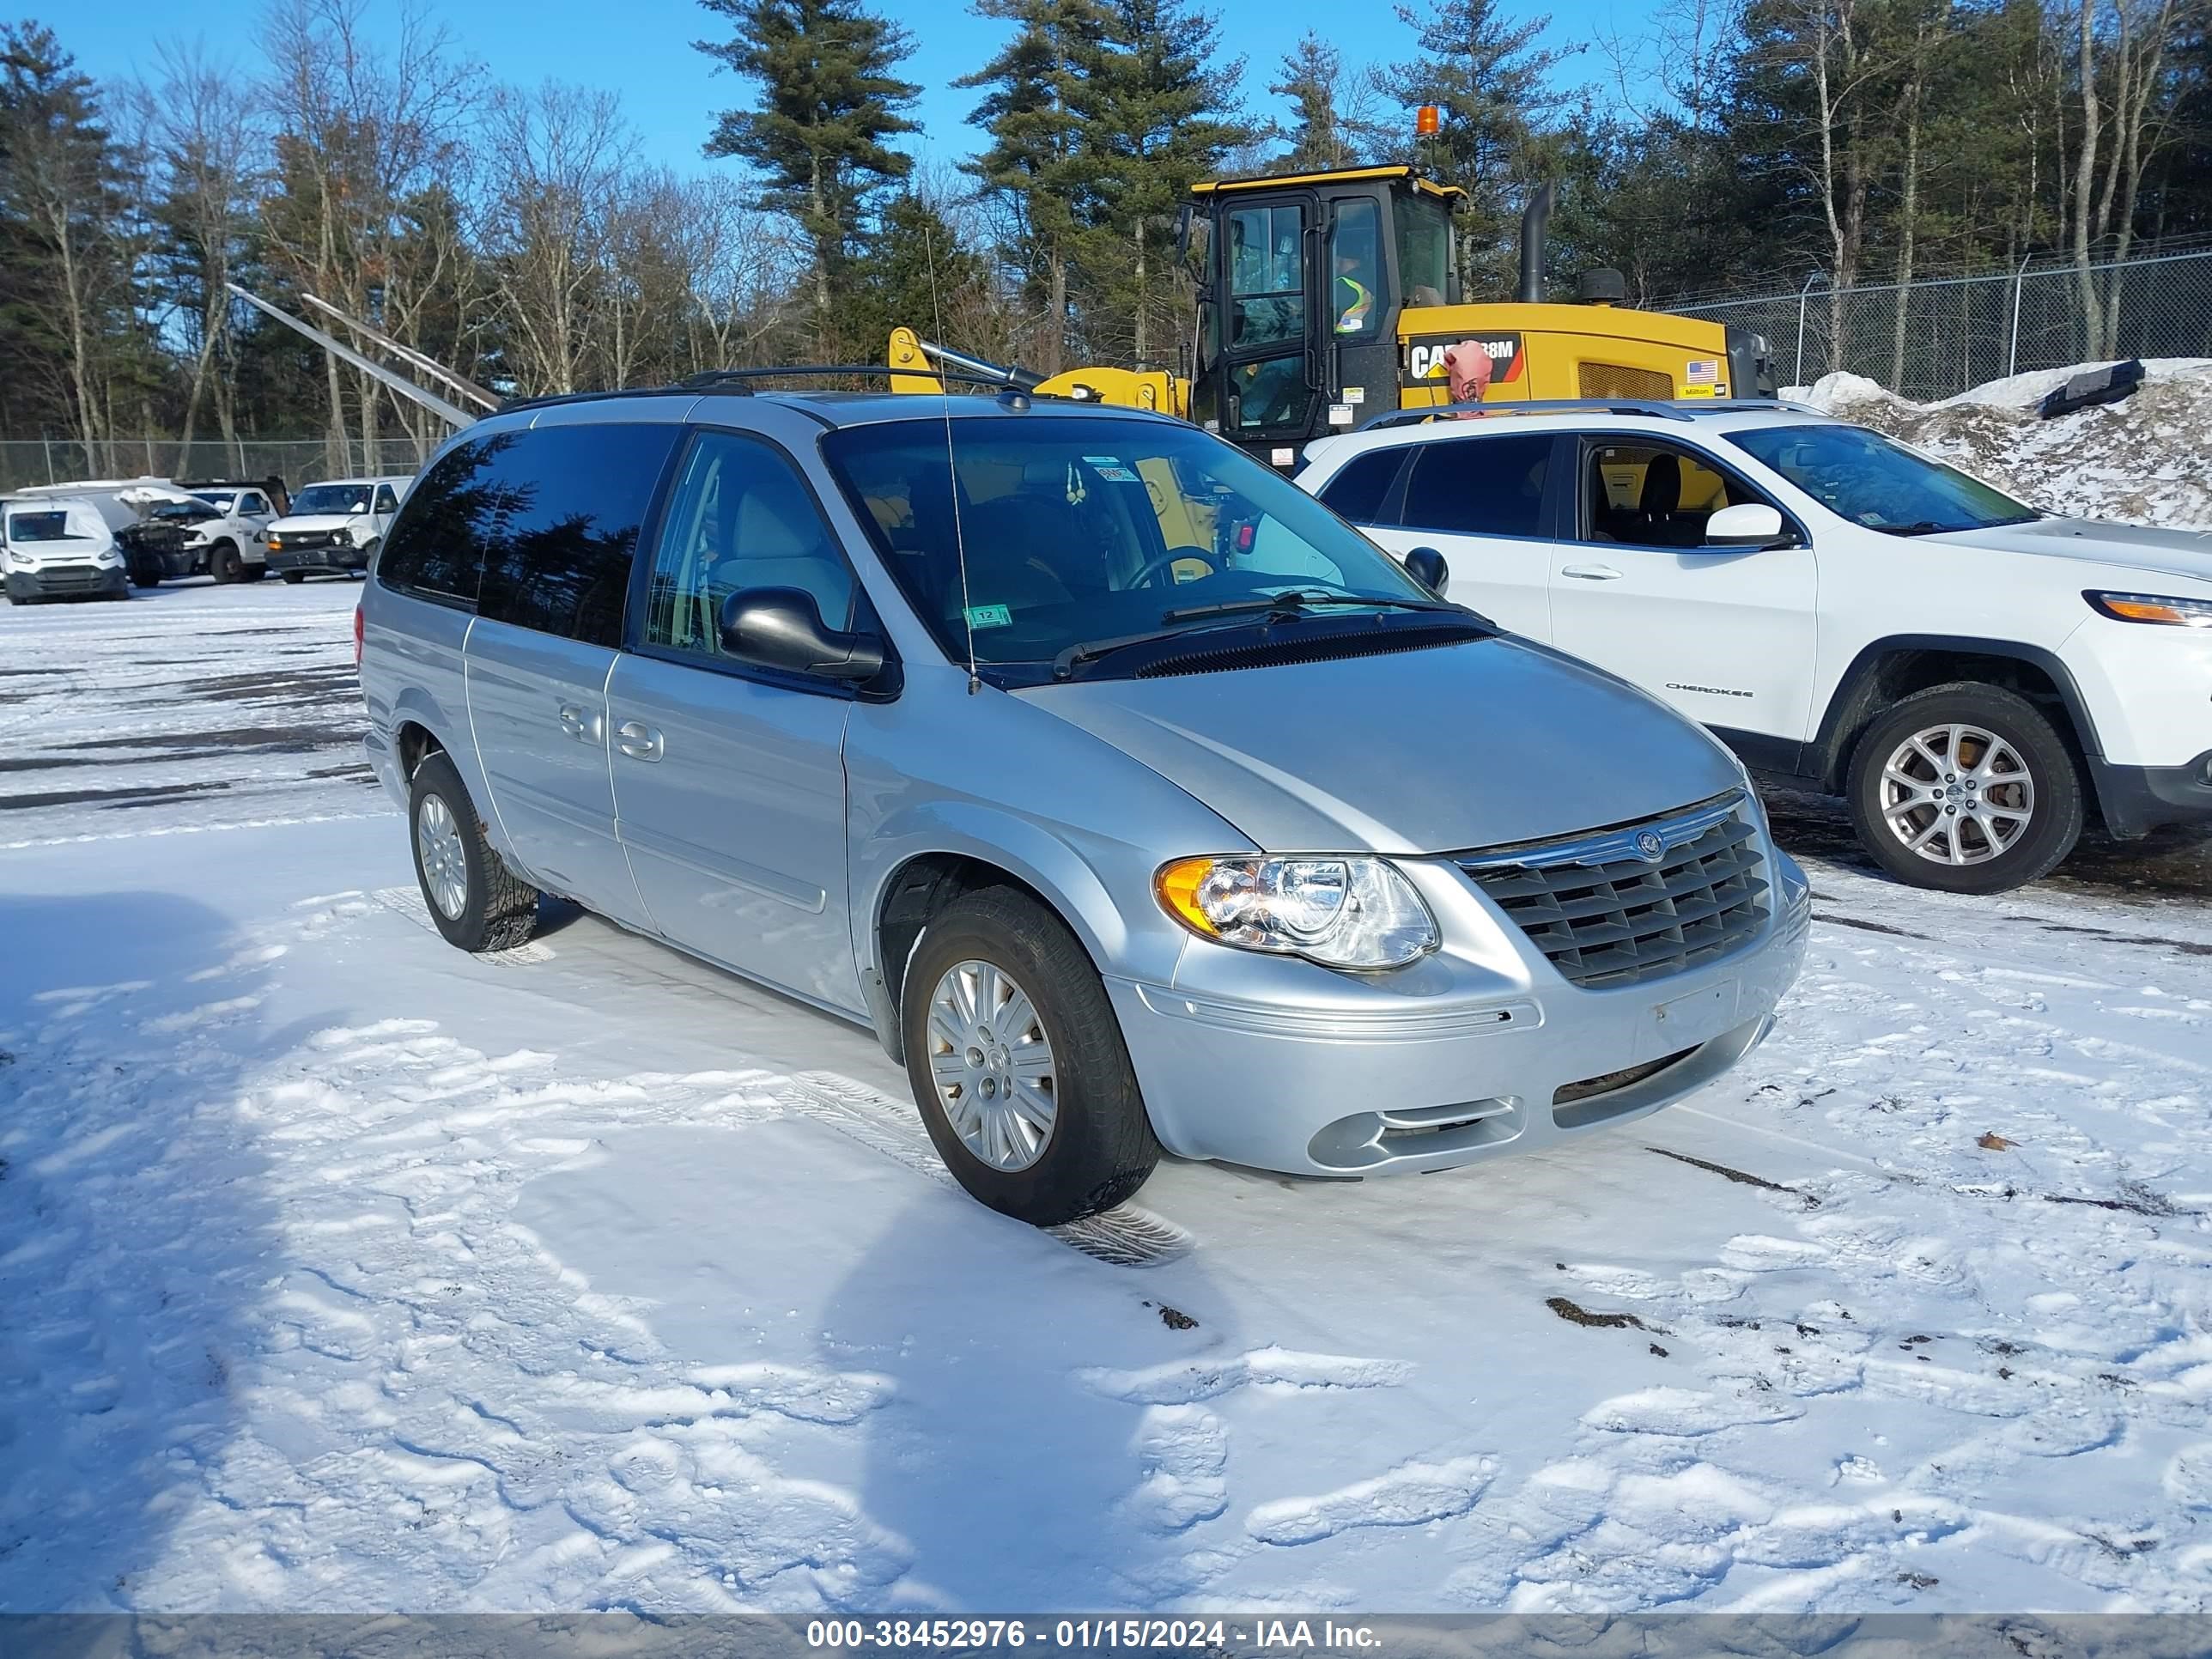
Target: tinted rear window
(540, 526)
(1358, 491)
(1480, 486)
(557, 556)
(435, 548)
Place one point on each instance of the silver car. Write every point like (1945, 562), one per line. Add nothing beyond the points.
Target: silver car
(1135, 801)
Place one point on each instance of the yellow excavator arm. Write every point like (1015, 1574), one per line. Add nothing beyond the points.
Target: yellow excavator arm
(914, 362)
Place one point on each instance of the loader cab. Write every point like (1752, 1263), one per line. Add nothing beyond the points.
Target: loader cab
(1302, 280)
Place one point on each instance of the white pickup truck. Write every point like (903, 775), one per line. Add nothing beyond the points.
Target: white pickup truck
(217, 529)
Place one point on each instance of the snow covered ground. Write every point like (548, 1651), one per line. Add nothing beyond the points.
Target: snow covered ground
(342, 1271)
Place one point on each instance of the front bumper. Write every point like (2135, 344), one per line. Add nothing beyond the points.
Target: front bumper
(78, 581)
(1444, 1062)
(2137, 799)
(345, 558)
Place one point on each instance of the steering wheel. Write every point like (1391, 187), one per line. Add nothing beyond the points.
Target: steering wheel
(1172, 557)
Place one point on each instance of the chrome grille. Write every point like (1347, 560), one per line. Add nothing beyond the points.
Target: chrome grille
(1605, 912)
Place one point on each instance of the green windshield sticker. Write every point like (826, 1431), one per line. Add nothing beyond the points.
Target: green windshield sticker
(989, 616)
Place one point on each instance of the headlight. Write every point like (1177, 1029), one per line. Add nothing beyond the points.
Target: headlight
(1341, 913)
(108, 555)
(2151, 608)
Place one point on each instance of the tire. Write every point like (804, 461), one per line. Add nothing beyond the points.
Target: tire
(145, 576)
(223, 562)
(1099, 1148)
(495, 910)
(1970, 847)
(249, 571)
(293, 578)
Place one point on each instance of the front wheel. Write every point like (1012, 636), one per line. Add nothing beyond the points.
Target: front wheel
(145, 575)
(1967, 788)
(1017, 1063)
(293, 578)
(476, 901)
(223, 562)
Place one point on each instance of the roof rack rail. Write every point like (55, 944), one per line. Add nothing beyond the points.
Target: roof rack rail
(1684, 409)
(714, 379)
(738, 381)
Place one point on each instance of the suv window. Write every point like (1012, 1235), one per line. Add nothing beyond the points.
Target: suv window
(739, 517)
(1359, 491)
(1480, 486)
(556, 556)
(1648, 494)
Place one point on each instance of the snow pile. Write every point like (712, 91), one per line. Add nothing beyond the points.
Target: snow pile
(2146, 460)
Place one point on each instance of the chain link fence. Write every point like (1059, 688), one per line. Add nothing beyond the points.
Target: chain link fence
(1935, 338)
(297, 461)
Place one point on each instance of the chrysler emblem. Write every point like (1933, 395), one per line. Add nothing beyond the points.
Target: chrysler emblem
(1648, 844)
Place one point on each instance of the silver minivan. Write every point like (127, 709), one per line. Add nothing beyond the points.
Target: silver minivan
(1134, 800)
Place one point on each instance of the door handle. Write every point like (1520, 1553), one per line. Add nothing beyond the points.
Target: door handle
(578, 724)
(1591, 573)
(638, 742)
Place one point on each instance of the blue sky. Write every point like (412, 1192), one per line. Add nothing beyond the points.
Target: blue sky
(642, 49)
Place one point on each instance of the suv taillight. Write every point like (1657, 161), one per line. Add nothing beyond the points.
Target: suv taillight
(359, 629)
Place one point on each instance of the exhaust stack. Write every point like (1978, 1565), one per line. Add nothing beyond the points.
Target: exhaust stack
(1534, 217)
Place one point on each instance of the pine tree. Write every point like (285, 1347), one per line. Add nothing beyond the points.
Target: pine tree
(1035, 168)
(1489, 78)
(66, 314)
(830, 100)
(1157, 113)
(1319, 132)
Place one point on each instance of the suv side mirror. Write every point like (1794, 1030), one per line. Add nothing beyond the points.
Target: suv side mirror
(1426, 566)
(1747, 524)
(781, 628)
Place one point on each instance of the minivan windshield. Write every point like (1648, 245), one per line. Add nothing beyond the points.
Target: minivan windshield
(330, 498)
(1865, 478)
(1082, 530)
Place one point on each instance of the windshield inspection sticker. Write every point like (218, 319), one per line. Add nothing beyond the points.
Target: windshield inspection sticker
(989, 616)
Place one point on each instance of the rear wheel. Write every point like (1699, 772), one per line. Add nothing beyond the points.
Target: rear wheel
(223, 562)
(1967, 788)
(1018, 1064)
(476, 901)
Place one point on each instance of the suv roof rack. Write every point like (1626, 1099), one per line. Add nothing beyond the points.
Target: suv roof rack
(1011, 383)
(1686, 409)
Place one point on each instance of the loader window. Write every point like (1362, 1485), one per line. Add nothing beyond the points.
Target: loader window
(1267, 275)
(1424, 252)
(1355, 263)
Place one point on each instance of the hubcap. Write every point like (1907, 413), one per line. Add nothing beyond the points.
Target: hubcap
(991, 1064)
(1957, 794)
(444, 861)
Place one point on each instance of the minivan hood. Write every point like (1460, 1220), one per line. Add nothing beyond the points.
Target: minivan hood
(2171, 552)
(1433, 751)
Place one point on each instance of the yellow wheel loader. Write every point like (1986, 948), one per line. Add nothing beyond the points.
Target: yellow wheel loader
(1327, 298)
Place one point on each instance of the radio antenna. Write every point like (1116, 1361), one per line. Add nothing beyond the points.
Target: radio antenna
(951, 469)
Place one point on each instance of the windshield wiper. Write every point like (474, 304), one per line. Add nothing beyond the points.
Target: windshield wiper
(1284, 607)
(1290, 605)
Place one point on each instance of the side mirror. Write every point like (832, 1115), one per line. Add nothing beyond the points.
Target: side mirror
(1426, 566)
(781, 628)
(1747, 524)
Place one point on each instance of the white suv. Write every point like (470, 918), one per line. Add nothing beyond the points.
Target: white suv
(1851, 615)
